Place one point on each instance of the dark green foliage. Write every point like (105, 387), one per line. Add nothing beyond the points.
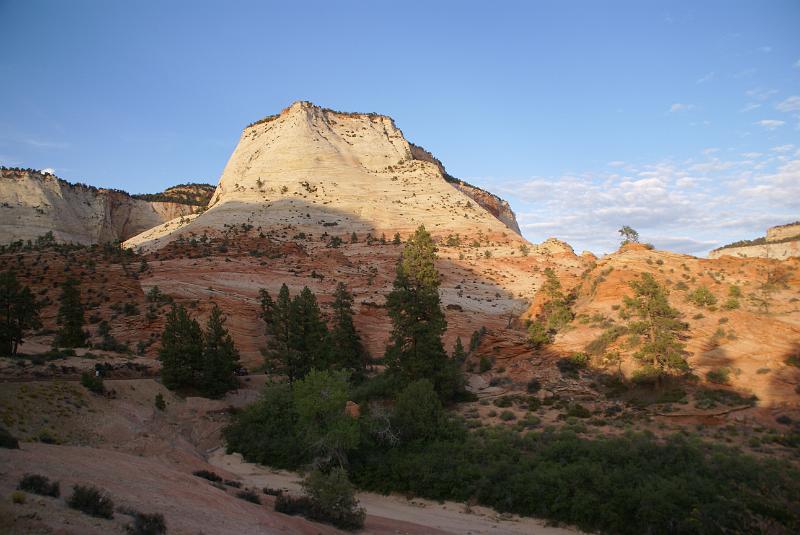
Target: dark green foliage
(570, 366)
(160, 403)
(70, 316)
(295, 333)
(19, 312)
(658, 324)
(147, 524)
(485, 364)
(330, 433)
(93, 382)
(459, 355)
(249, 496)
(599, 345)
(418, 411)
(92, 501)
(630, 485)
(7, 440)
(415, 349)
(205, 474)
(181, 351)
(538, 335)
(220, 357)
(475, 339)
(533, 386)
(396, 240)
(38, 484)
(267, 432)
(346, 350)
(332, 499)
(719, 376)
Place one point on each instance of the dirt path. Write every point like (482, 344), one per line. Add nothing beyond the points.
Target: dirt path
(447, 517)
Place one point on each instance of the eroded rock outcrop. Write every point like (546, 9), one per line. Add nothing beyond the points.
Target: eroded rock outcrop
(33, 203)
(781, 242)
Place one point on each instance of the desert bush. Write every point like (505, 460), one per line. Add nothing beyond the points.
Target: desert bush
(205, 474)
(92, 501)
(38, 484)
(7, 440)
(507, 416)
(249, 495)
(571, 365)
(719, 376)
(92, 382)
(485, 364)
(702, 297)
(146, 523)
(533, 386)
(159, 402)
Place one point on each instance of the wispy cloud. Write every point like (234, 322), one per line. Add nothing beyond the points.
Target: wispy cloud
(706, 78)
(765, 49)
(760, 93)
(750, 106)
(44, 144)
(770, 124)
(790, 104)
(680, 107)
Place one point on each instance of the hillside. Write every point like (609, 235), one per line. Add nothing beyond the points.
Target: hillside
(781, 242)
(33, 203)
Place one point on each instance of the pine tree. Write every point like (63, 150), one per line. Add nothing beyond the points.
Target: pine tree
(19, 312)
(354, 237)
(70, 316)
(307, 334)
(459, 355)
(220, 357)
(396, 239)
(181, 351)
(658, 324)
(346, 349)
(415, 350)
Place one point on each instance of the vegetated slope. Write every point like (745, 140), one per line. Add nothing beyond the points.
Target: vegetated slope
(743, 318)
(33, 203)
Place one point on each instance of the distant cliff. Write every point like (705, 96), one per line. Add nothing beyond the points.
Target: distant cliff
(33, 203)
(782, 241)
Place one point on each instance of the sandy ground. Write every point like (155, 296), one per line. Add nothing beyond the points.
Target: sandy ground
(445, 517)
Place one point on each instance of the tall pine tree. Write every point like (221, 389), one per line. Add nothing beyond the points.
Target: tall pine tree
(220, 357)
(415, 350)
(307, 333)
(346, 350)
(181, 351)
(19, 312)
(70, 316)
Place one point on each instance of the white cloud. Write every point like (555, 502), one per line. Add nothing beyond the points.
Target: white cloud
(765, 49)
(680, 107)
(790, 104)
(689, 206)
(49, 171)
(760, 93)
(706, 78)
(770, 124)
(783, 148)
(616, 163)
(750, 106)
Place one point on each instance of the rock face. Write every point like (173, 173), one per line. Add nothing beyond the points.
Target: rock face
(781, 242)
(34, 203)
(489, 201)
(309, 166)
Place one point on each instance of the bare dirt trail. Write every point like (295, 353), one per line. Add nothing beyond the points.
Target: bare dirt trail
(446, 517)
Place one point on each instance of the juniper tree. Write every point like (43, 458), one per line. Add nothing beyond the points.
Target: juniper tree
(70, 316)
(628, 235)
(415, 349)
(220, 357)
(181, 352)
(19, 312)
(346, 350)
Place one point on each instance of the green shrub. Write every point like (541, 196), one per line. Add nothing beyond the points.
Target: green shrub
(92, 501)
(719, 376)
(702, 297)
(533, 386)
(577, 410)
(485, 364)
(160, 403)
(38, 484)
(570, 366)
(18, 497)
(538, 335)
(507, 416)
(333, 499)
(92, 382)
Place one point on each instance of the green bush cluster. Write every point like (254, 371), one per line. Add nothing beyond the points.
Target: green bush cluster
(38, 484)
(92, 501)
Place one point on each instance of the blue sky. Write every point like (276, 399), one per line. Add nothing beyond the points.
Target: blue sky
(681, 119)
